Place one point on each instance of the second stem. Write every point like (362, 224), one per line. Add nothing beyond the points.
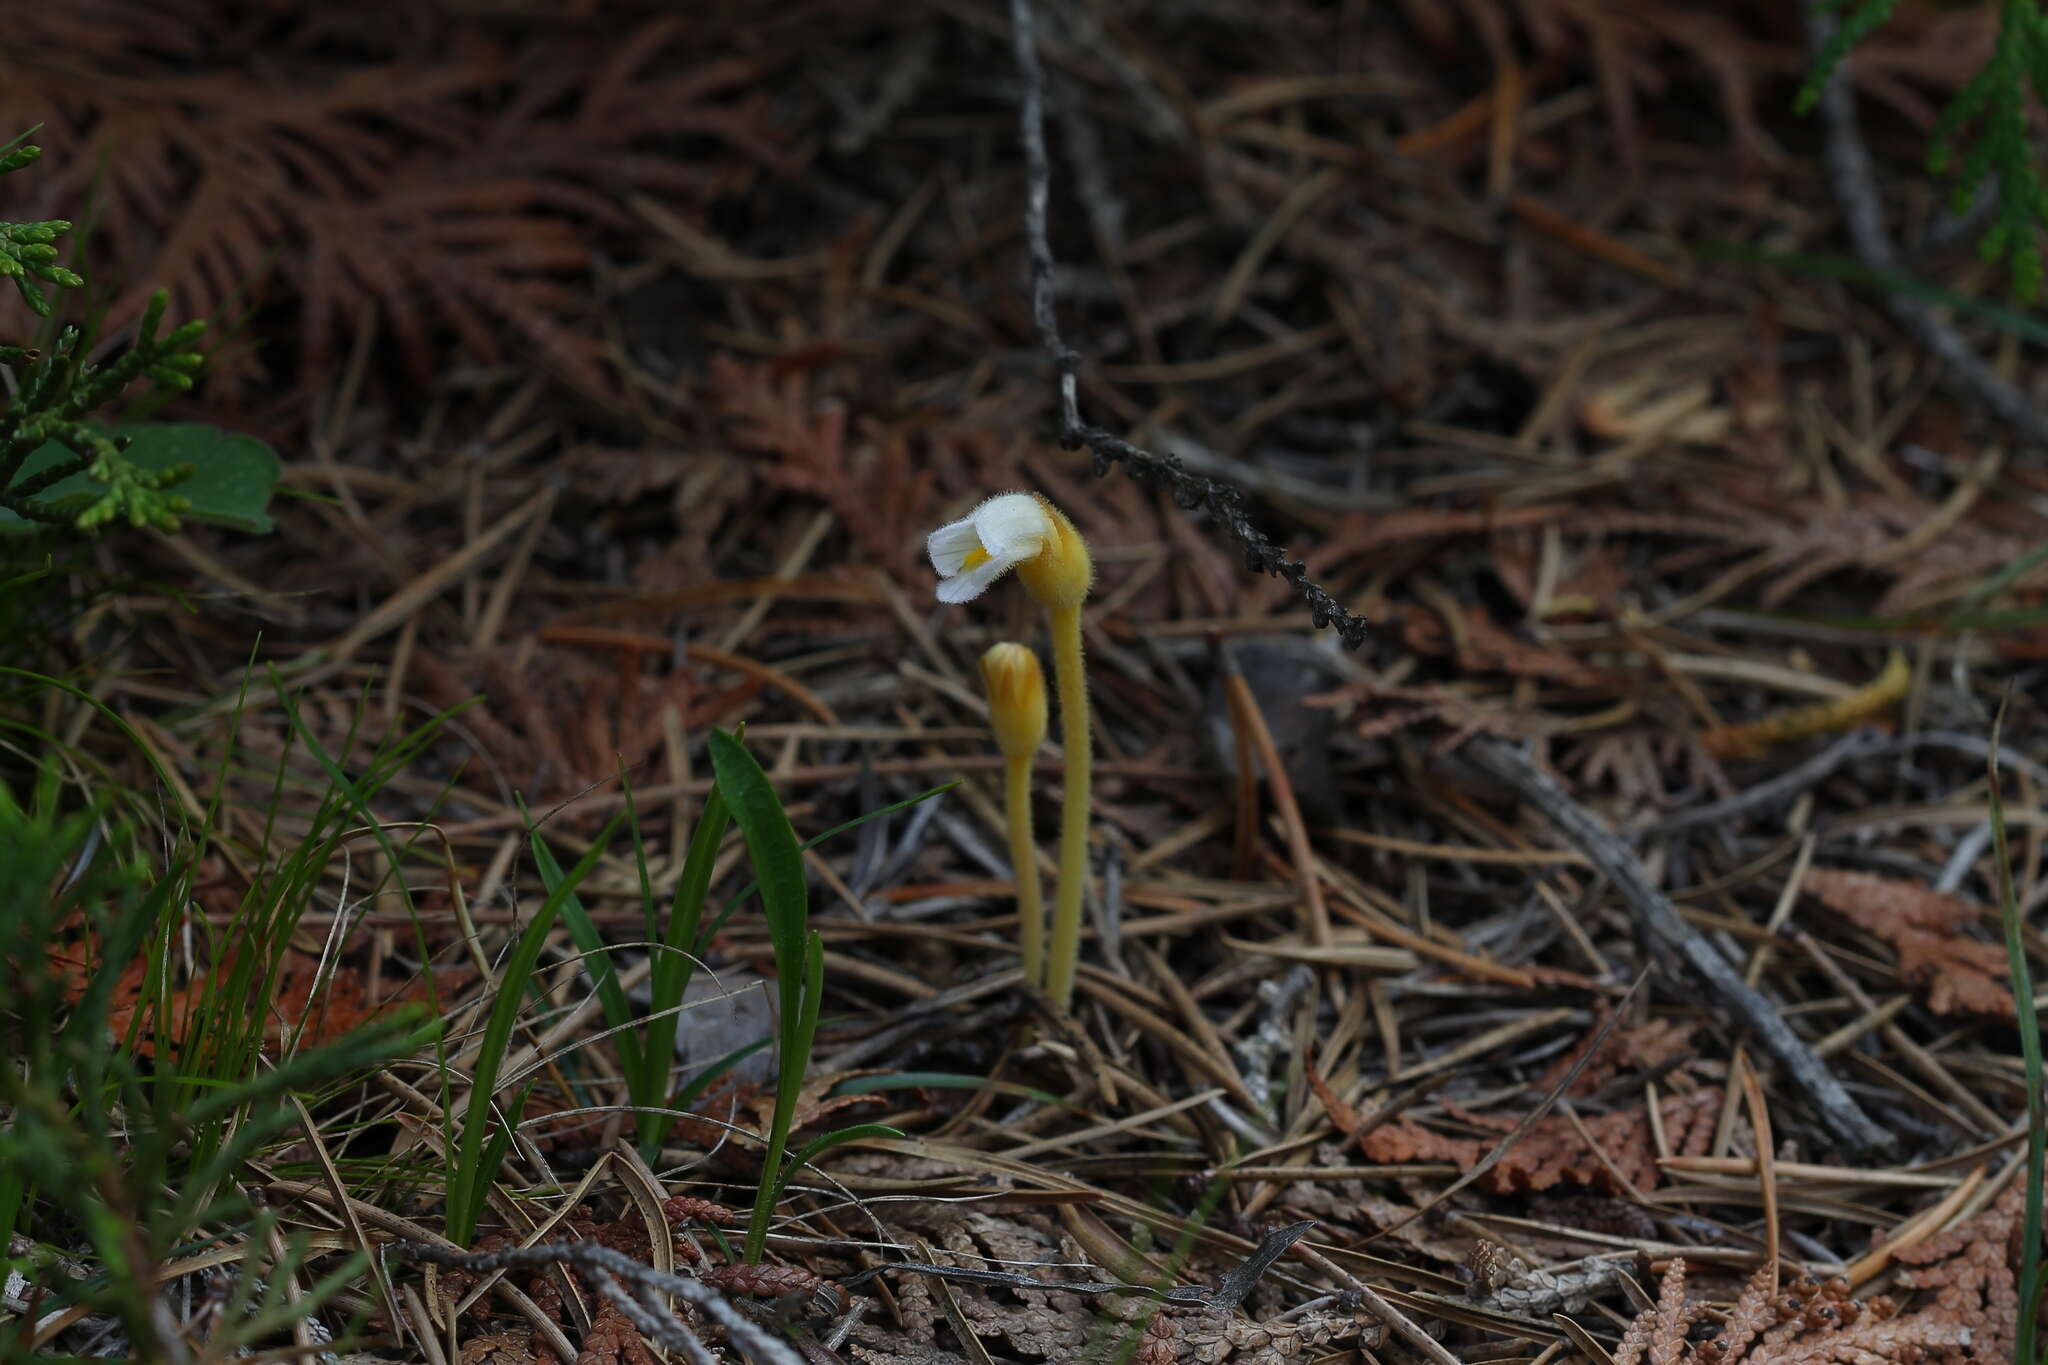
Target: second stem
(1065, 949)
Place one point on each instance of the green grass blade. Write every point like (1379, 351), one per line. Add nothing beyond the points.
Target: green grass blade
(597, 961)
(1998, 583)
(785, 900)
(750, 888)
(819, 1145)
(669, 978)
(259, 1099)
(1891, 281)
(469, 1180)
(777, 857)
(650, 918)
(2031, 1278)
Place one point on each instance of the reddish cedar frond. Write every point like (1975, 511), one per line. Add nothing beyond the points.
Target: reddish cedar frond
(1928, 930)
(1972, 1271)
(1636, 1340)
(447, 187)
(869, 477)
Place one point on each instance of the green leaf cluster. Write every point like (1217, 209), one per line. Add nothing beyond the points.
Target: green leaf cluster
(1983, 132)
(57, 469)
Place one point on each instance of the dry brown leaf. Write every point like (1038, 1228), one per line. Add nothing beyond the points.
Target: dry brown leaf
(1927, 929)
(1482, 646)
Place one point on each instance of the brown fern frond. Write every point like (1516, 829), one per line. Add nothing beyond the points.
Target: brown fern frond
(1753, 1313)
(1650, 1331)
(1554, 1152)
(1970, 1320)
(1928, 930)
(1972, 1270)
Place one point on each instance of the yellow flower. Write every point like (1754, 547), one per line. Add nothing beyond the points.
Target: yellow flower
(1016, 698)
(1020, 531)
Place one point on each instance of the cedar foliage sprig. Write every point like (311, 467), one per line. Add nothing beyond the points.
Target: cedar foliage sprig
(58, 390)
(28, 251)
(1982, 132)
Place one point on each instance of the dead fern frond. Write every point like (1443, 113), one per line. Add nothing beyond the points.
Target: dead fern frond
(1969, 1321)
(1555, 1151)
(1927, 929)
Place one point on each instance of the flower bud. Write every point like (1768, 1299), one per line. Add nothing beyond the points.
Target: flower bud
(1016, 698)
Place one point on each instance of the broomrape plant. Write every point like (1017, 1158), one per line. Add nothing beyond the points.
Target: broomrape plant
(1024, 532)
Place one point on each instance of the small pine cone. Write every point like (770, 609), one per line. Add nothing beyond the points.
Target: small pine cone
(1491, 1266)
(774, 1281)
(685, 1208)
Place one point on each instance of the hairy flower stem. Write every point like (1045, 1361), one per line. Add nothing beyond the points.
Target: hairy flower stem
(1066, 915)
(1024, 857)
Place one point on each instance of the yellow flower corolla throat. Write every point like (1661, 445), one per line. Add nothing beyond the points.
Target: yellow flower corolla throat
(1020, 531)
(1016, 698)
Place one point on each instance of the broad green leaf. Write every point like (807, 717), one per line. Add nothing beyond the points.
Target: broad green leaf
(233, 475)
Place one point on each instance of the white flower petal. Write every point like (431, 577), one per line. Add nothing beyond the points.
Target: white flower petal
(1012, 525)
(967, 586)
(950, 545)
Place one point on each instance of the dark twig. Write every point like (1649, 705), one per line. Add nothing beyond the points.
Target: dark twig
(1775, 791)
(1190, 491)
(1857, 744)
(1660, 920)
(1854, 183)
